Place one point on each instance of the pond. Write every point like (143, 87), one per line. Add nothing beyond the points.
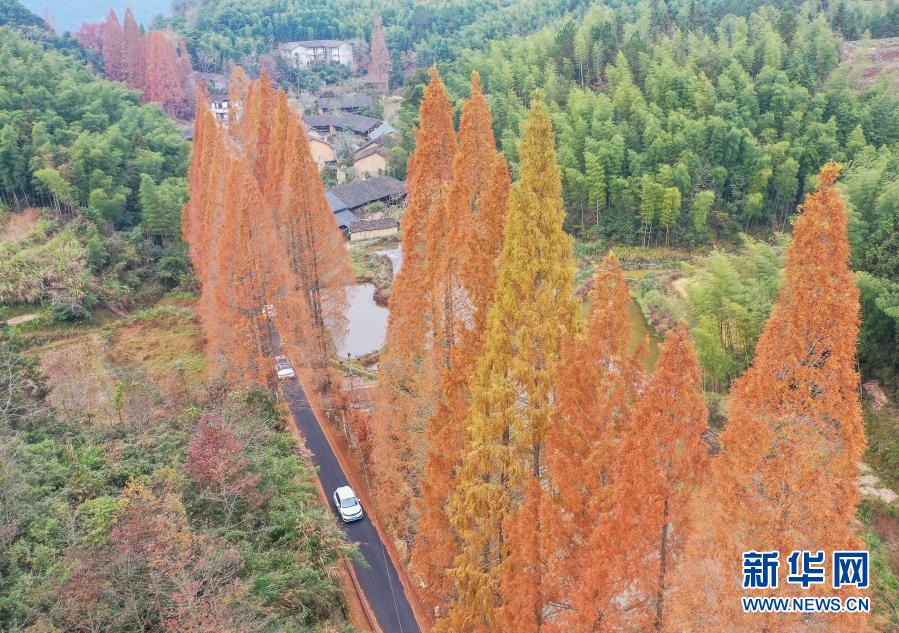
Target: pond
(367, 325)
(640, 329)
(367, 322)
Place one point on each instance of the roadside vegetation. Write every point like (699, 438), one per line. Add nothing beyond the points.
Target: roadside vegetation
(134, 497)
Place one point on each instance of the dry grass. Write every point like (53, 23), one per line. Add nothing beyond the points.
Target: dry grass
(147, 364)
(165, 345)
(81, 382)
(19, 226)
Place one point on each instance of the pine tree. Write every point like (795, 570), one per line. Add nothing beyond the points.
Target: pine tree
(133, 61)
(794, 437)
(113, 45)
(163, 85)
(379, 64)
(597, 383)
(464, 239)
(511, 396)
(408, 387)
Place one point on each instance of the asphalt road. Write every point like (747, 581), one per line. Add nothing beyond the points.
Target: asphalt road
(378, 578)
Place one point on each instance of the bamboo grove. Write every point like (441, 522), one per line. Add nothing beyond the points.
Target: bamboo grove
(261, 234)
(535, 476)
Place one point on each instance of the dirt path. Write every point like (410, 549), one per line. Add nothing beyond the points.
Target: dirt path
(19, 320)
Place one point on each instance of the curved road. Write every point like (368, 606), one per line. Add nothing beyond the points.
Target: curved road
(378, 578)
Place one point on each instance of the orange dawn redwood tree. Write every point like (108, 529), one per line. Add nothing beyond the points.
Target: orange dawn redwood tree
(597, 382)
(133, 61)
(162, 82)
(379, 63)
(496, 509)
(663, 461)
(408, 384)
(254, 242)
(464, 238)
(794, 436)
(113, 45)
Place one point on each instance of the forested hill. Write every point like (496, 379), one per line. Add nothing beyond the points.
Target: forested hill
(240, 30)
(18, 18)
(112, 170)
(687, 127)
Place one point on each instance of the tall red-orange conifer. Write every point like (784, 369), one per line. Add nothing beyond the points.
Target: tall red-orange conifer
(598, 379)
(112, 47)
(464, 238)
(162, 84)
(133, 60)
(663, 461)
(315, 250)
(788, 473)
(408, 386)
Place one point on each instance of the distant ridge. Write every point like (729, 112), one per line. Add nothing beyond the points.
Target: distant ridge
(20, 19)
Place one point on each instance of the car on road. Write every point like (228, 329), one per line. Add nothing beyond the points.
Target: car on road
(348, 505)
(283, 368)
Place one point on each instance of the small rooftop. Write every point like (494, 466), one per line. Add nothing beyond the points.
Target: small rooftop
(373, 225)
(361, 192)
(343, 120)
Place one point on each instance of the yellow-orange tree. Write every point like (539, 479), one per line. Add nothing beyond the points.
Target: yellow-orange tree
(597, 382)
(511, 391)
(469, 222)
(408, 384)
(794, 437)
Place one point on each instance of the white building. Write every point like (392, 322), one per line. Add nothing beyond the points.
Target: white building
(303, 54)
(220, 109)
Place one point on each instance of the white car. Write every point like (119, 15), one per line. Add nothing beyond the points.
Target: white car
(348, 505)
(283, 368)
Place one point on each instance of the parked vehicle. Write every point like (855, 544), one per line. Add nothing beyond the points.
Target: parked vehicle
(284, 368)
(348, 505)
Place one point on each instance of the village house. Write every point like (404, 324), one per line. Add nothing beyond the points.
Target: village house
(322, 152)
(219, 109)
(372, 229)
(311, 52)
(351, 103)
(359, 194)
(370, 160)
(366, 127)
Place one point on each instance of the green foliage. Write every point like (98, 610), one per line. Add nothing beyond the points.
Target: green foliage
(65, 492)
(730, 297)
(114, 170)
(719, 99)
(243, 30)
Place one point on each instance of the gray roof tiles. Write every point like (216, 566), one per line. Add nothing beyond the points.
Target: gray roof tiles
(361, 192)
